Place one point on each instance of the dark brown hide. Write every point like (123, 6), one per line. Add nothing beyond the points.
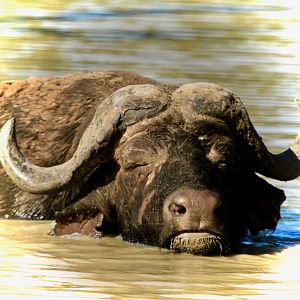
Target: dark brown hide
(153, 163)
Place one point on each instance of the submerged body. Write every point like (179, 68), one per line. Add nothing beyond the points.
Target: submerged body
(168, 166)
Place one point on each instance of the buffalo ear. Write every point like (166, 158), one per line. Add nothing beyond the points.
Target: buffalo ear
(91, 212)
(78, 219)
(263, 206)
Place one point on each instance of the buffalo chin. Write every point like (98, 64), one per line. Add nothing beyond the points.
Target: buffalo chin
(198, 243)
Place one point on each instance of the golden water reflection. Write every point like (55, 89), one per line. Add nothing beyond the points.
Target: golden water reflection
(233, 43)
(251, 47)
(34, 265)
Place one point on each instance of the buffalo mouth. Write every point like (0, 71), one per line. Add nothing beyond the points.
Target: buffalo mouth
(198, 243)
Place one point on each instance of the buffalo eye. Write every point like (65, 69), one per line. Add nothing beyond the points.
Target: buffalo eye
(132, 158)
(222, 155)
(222, 166)
(133, 165)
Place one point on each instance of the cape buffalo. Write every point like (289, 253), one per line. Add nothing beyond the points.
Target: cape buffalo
(115, 153)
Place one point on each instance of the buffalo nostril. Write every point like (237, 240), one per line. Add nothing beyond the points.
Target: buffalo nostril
(177, 209)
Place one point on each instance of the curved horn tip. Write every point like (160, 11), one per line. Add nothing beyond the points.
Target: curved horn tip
(7, 129)
(296, 145)
(6, 136)
(22, 172)
(297, 100)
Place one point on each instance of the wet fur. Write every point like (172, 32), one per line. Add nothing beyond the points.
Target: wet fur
(52, 113)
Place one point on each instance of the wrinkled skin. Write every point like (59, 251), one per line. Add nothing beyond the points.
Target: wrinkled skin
(175, 172)
(173, 166)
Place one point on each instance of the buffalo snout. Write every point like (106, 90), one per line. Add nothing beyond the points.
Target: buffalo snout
(196, 218)
(195, 210)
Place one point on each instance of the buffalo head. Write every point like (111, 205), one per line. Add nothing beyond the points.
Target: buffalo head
(174, 168)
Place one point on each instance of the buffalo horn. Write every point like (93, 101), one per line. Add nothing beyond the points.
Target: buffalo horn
(215, 101)
(125, 107)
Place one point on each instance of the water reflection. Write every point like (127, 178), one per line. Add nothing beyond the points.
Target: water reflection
(251, 47)
(232, 43)
(33, 265)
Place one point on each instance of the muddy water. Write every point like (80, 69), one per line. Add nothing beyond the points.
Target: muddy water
(251, 47)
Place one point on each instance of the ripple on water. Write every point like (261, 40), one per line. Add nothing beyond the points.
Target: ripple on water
(251, 47)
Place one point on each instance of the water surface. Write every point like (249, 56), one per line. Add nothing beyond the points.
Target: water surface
(250, 47)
